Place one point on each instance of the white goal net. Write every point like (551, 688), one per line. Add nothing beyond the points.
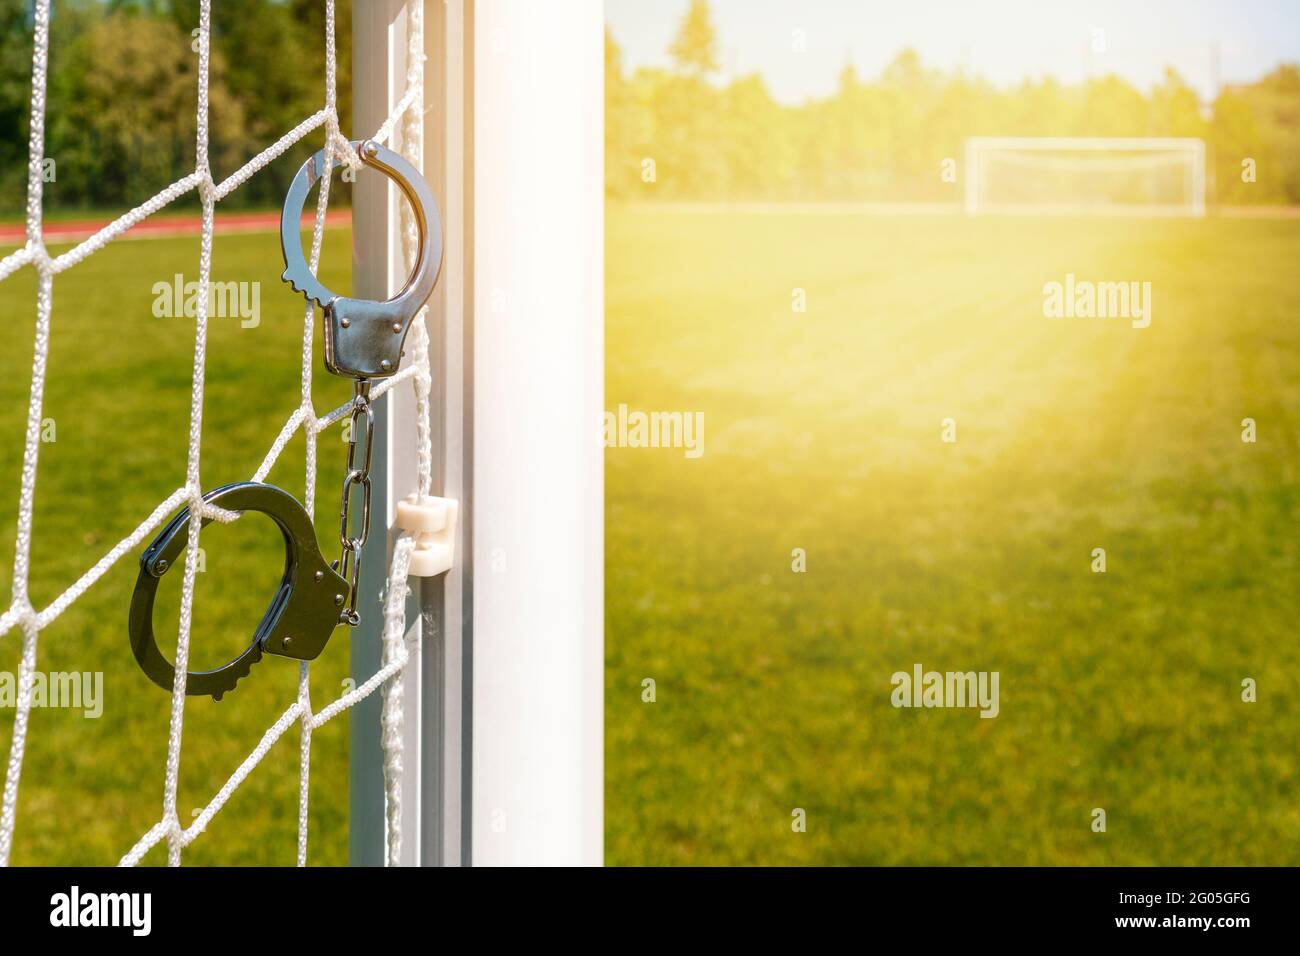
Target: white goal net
(1085, 176)
(404, 124)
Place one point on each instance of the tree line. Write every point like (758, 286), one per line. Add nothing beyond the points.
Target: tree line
(682, 133)
(123, 74)
(120, 116)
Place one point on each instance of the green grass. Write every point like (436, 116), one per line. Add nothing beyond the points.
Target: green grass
(118, 391)
(822, 432)
(1118, 690)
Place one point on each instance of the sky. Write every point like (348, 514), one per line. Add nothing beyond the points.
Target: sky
(1002, 40)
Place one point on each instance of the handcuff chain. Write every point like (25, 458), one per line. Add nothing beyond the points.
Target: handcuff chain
(349, 565)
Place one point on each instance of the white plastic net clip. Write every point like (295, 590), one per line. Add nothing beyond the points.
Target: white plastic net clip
(432, 522)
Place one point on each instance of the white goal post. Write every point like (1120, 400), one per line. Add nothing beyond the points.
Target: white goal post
(1065, 175)
(503, 696)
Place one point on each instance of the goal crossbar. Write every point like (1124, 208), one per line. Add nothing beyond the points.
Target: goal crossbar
(1080, 156)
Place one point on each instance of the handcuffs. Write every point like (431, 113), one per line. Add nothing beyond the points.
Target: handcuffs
(363, 341)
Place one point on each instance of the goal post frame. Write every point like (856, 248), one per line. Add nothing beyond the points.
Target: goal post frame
(503, 695)
(1190, 147)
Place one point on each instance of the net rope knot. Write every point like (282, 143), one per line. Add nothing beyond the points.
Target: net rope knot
(208, 191)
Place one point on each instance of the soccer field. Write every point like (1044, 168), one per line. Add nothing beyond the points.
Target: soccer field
(823, 431)
(117, 396)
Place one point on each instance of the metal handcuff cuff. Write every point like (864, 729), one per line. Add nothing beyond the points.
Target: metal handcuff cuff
(363, 341)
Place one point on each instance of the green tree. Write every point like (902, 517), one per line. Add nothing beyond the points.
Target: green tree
(122, 127)
(274, 71)
(1175, 108)
(310, 17)
(695, 48)
(1112, 107)
(122, 89)
(687, 146)
(1275, 102)
(910, 94)
(620, 161)
(757, 162)
(15, 97)
(1235, 137)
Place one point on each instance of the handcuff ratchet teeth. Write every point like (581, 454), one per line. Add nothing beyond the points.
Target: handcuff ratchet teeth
(363, 341)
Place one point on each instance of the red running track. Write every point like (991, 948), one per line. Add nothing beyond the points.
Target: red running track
(166, 226)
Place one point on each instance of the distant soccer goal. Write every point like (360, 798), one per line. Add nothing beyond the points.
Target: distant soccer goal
(1085, 176)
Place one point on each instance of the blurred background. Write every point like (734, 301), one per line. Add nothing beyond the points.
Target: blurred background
(786, 254)
(121, 96)
(831, 99)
